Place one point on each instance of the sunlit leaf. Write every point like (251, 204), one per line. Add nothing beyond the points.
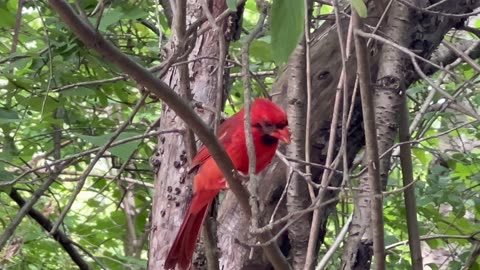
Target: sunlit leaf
(8, 116)
(286, 28)
(123, 151)
(232, 5)
(360, 7)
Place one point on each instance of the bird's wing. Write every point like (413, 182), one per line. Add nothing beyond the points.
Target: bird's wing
(225, 132)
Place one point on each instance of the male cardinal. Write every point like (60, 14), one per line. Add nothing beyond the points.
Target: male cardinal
(269, 125)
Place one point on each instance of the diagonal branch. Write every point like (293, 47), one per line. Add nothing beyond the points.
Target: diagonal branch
(29, 204)
(66, 243)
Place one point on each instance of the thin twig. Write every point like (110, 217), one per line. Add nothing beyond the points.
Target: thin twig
(336, 244)
(409, 193)
(18, 23)
(436, 236)
(284, 193)
(442, 92)
(88, 152)
(403, 49)
(113, 178)
(60, 237)
(462, 55)
(437, 13)
(253, 182)
(315, 227)
(308, 78)
(417, 141)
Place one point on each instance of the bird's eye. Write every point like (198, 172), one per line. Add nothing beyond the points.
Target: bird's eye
(268, 125)
(282, 125)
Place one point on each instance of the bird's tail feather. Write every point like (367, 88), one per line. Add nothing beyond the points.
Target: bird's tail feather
(184, 244)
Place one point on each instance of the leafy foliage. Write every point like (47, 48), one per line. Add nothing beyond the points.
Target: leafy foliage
(57, 100)
(287, 27)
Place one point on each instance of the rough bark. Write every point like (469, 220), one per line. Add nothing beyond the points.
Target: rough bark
(297, 191)
(172, 184)
(419, 32)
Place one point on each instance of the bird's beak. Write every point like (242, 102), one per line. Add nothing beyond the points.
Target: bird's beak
(282, 134)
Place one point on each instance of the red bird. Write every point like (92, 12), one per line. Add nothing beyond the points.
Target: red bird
(269, 125)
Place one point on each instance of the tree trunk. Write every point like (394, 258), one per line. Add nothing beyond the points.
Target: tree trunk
(297, 192)
(172, 184)
(421, 33)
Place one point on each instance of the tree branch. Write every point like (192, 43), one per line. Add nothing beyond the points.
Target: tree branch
(409, 193)
(28, 206)
(372, 159)
(59, 236)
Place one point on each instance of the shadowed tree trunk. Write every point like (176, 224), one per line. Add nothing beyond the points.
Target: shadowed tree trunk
(421, 33)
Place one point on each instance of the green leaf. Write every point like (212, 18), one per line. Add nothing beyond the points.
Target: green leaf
(8, 19)
(79, 91)
(19, 81)
(286, 27)
(232, 5)
(38, 104)
(7, 116)
(260, 50)
(5, 176)
(135, 13)
(122, 151)
(360, 8)
(110, 17)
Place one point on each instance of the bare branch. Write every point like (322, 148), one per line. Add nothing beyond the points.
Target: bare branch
(437, 236)
(18, 23)
(338, 240)
(10, 229)
(59, 236)
(409, 193)
(371, 146)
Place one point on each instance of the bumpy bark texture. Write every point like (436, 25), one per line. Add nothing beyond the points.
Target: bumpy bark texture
(172, 184)
(297, 192)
